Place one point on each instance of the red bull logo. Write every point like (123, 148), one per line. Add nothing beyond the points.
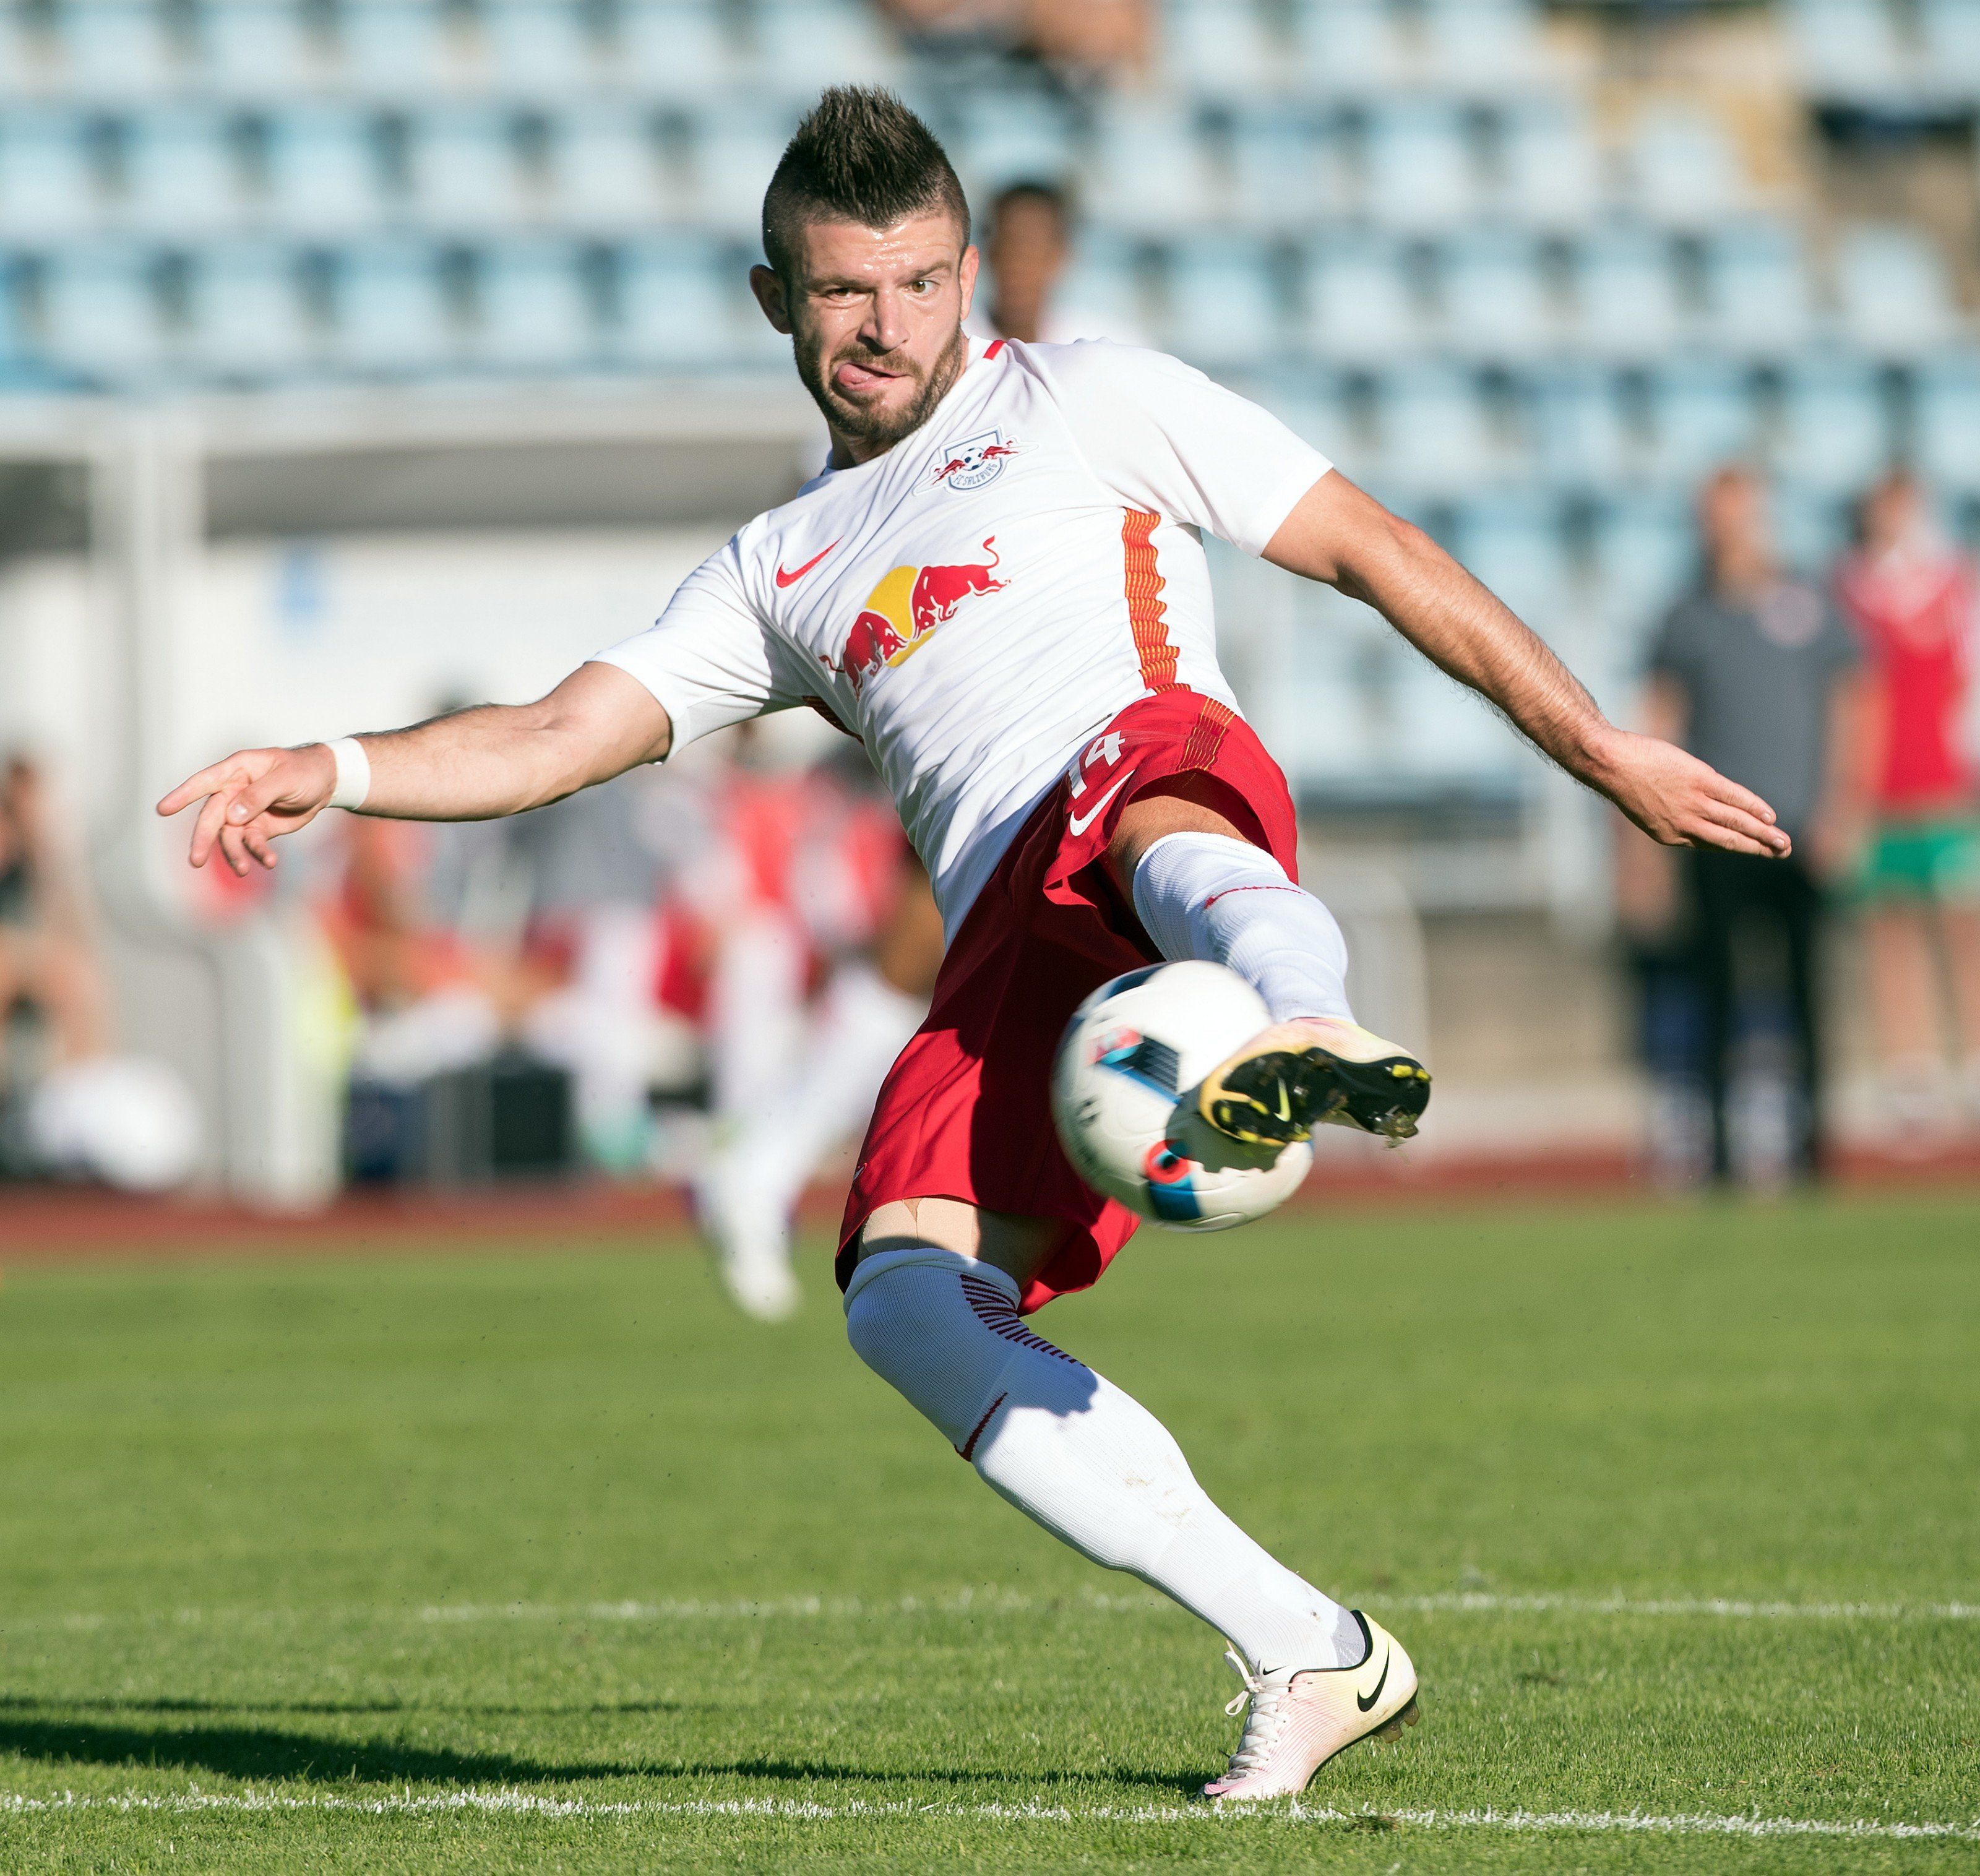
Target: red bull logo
(975, 460)
(906, 607)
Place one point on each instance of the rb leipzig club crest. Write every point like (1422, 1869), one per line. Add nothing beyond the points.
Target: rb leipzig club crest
(974, 461)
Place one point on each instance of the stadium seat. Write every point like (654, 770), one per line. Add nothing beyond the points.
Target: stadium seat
(1484, 48)
(1434, 429)
(398, 49)
(1551, 166)
(1812, 526)
(1893, 292)
(325, 172)
(465, 168)
(1702, 414)
(1149, 172)
(1361, 303)
(103, 316)
(395, 314)
(51, 180)
(535, 310)
(1101, 290)
(1515, 541)
(734, 153)
(1646, 554)
(1582, 435)
(801, 43)
(248, 313)
(1448, 738)
(1950, 33)
(605, 171)
(677, 311)
(1945, 422)
(1220, 49)
(1347, 49)
(1498, 305)
(1758, 294)
(1001, 137)
(1849, 49)
(534, 51)
(185, 174)
(1225, 306)
(1682, 169)
(1285, 171)
(1835, 432)
(1420, 169)
(262, 50)
(1629, 305)
(115, 51)
(680, 50)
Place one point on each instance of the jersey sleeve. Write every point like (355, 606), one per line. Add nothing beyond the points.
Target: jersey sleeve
(710, 659)
(1165, 438)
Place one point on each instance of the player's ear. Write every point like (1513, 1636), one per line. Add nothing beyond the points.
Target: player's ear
(768, 287)
(966, 275)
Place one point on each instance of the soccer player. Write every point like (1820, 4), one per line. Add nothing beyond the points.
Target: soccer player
(997, 583)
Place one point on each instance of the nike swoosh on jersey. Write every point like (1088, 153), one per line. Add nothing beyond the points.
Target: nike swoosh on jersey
(798, 574)
(1078, 824)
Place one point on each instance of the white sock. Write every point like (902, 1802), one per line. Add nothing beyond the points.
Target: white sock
(1073, 1452)
(1208, 896)
(861, 1024)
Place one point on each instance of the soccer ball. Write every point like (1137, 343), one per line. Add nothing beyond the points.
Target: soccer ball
(1124, 1099)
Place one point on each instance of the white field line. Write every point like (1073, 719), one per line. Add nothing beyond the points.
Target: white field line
(1005, 1603)
(527, 1803)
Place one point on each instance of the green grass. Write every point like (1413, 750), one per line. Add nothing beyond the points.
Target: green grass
(329, 1538)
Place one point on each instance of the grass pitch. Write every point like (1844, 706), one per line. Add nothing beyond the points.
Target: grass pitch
(537, 1562)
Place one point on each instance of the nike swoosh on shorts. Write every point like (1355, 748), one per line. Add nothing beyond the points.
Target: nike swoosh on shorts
(1078, 824)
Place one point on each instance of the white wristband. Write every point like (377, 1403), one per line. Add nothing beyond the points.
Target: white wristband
(354, 773)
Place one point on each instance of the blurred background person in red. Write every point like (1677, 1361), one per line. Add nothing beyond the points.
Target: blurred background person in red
(1756, 672)
(1910, 594)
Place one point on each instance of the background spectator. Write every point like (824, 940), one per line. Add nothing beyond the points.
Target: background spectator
(1026, 248)
(1911, 597)
(1757, 673)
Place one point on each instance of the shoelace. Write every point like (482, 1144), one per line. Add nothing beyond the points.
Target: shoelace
(1261, 1724)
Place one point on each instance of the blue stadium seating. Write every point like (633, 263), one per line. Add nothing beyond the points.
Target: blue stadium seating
(677, 311)
(1848, 48)
(534, 308)
(1497, 302)
(735, 155)
(1583, 438)
(1103, 287)
(51, 181)
(115, 50)
(605, 169)
(186, 179)
(1219, 49)
(103, 316)
(326, 172)
(1436, 433)
(1758, 292)
(248, 313)
(395, 312)
(1350, 49)
(1224, 309)
(1949, 32)
(1835, 432)
(537, 51)
(1646, 554)
(1421, 170)
(1551, 166)
(1892, 288)
(796, 39)
(396, 48)
(1487, 49)
(1515, 541)
(1703, 413)
(1001, 138)
(464, 168)
(677, 49)
(1682, 169)
(1285, 172)
(1630, 305)
(1945, 421)
(1360, 305)
(1149, 171)
(257, 50)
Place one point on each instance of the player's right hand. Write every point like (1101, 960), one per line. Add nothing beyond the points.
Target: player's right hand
(252, 798)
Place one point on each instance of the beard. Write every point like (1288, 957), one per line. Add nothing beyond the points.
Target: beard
(872, 423)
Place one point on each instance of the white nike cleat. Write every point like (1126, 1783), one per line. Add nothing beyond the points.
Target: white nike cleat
(1301, 1718)
(1315, 1071)
(749, 1239)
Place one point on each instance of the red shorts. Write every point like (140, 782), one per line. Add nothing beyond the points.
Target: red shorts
(965, 1113)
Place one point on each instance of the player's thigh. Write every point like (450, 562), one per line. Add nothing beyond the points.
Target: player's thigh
(1008, 1241)
(1194, 802)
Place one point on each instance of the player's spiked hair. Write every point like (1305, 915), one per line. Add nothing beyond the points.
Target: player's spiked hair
(860, 155)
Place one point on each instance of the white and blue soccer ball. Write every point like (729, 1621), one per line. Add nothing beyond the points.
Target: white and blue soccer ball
(1124, 1099)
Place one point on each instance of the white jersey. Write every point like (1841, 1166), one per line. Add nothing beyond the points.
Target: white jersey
(978, 602)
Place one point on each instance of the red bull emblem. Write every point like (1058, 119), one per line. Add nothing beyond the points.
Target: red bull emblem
(906, 607)
(975, 460)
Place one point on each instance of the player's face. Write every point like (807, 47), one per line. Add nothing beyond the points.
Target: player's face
(876, 320)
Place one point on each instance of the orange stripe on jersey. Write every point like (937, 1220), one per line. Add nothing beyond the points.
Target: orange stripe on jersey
(1206, 734)
(1145, 610)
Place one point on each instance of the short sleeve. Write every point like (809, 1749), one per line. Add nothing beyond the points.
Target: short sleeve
(709, 659)
(1165, 438)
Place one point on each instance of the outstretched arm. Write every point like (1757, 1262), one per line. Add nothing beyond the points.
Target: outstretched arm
(1344, 537)
(472, 766)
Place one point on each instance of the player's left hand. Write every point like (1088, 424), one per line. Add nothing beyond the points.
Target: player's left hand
(1680, 802)
(252, 798)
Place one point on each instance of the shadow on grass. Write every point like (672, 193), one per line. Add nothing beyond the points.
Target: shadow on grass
(260, 1753)
(26, 1703)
